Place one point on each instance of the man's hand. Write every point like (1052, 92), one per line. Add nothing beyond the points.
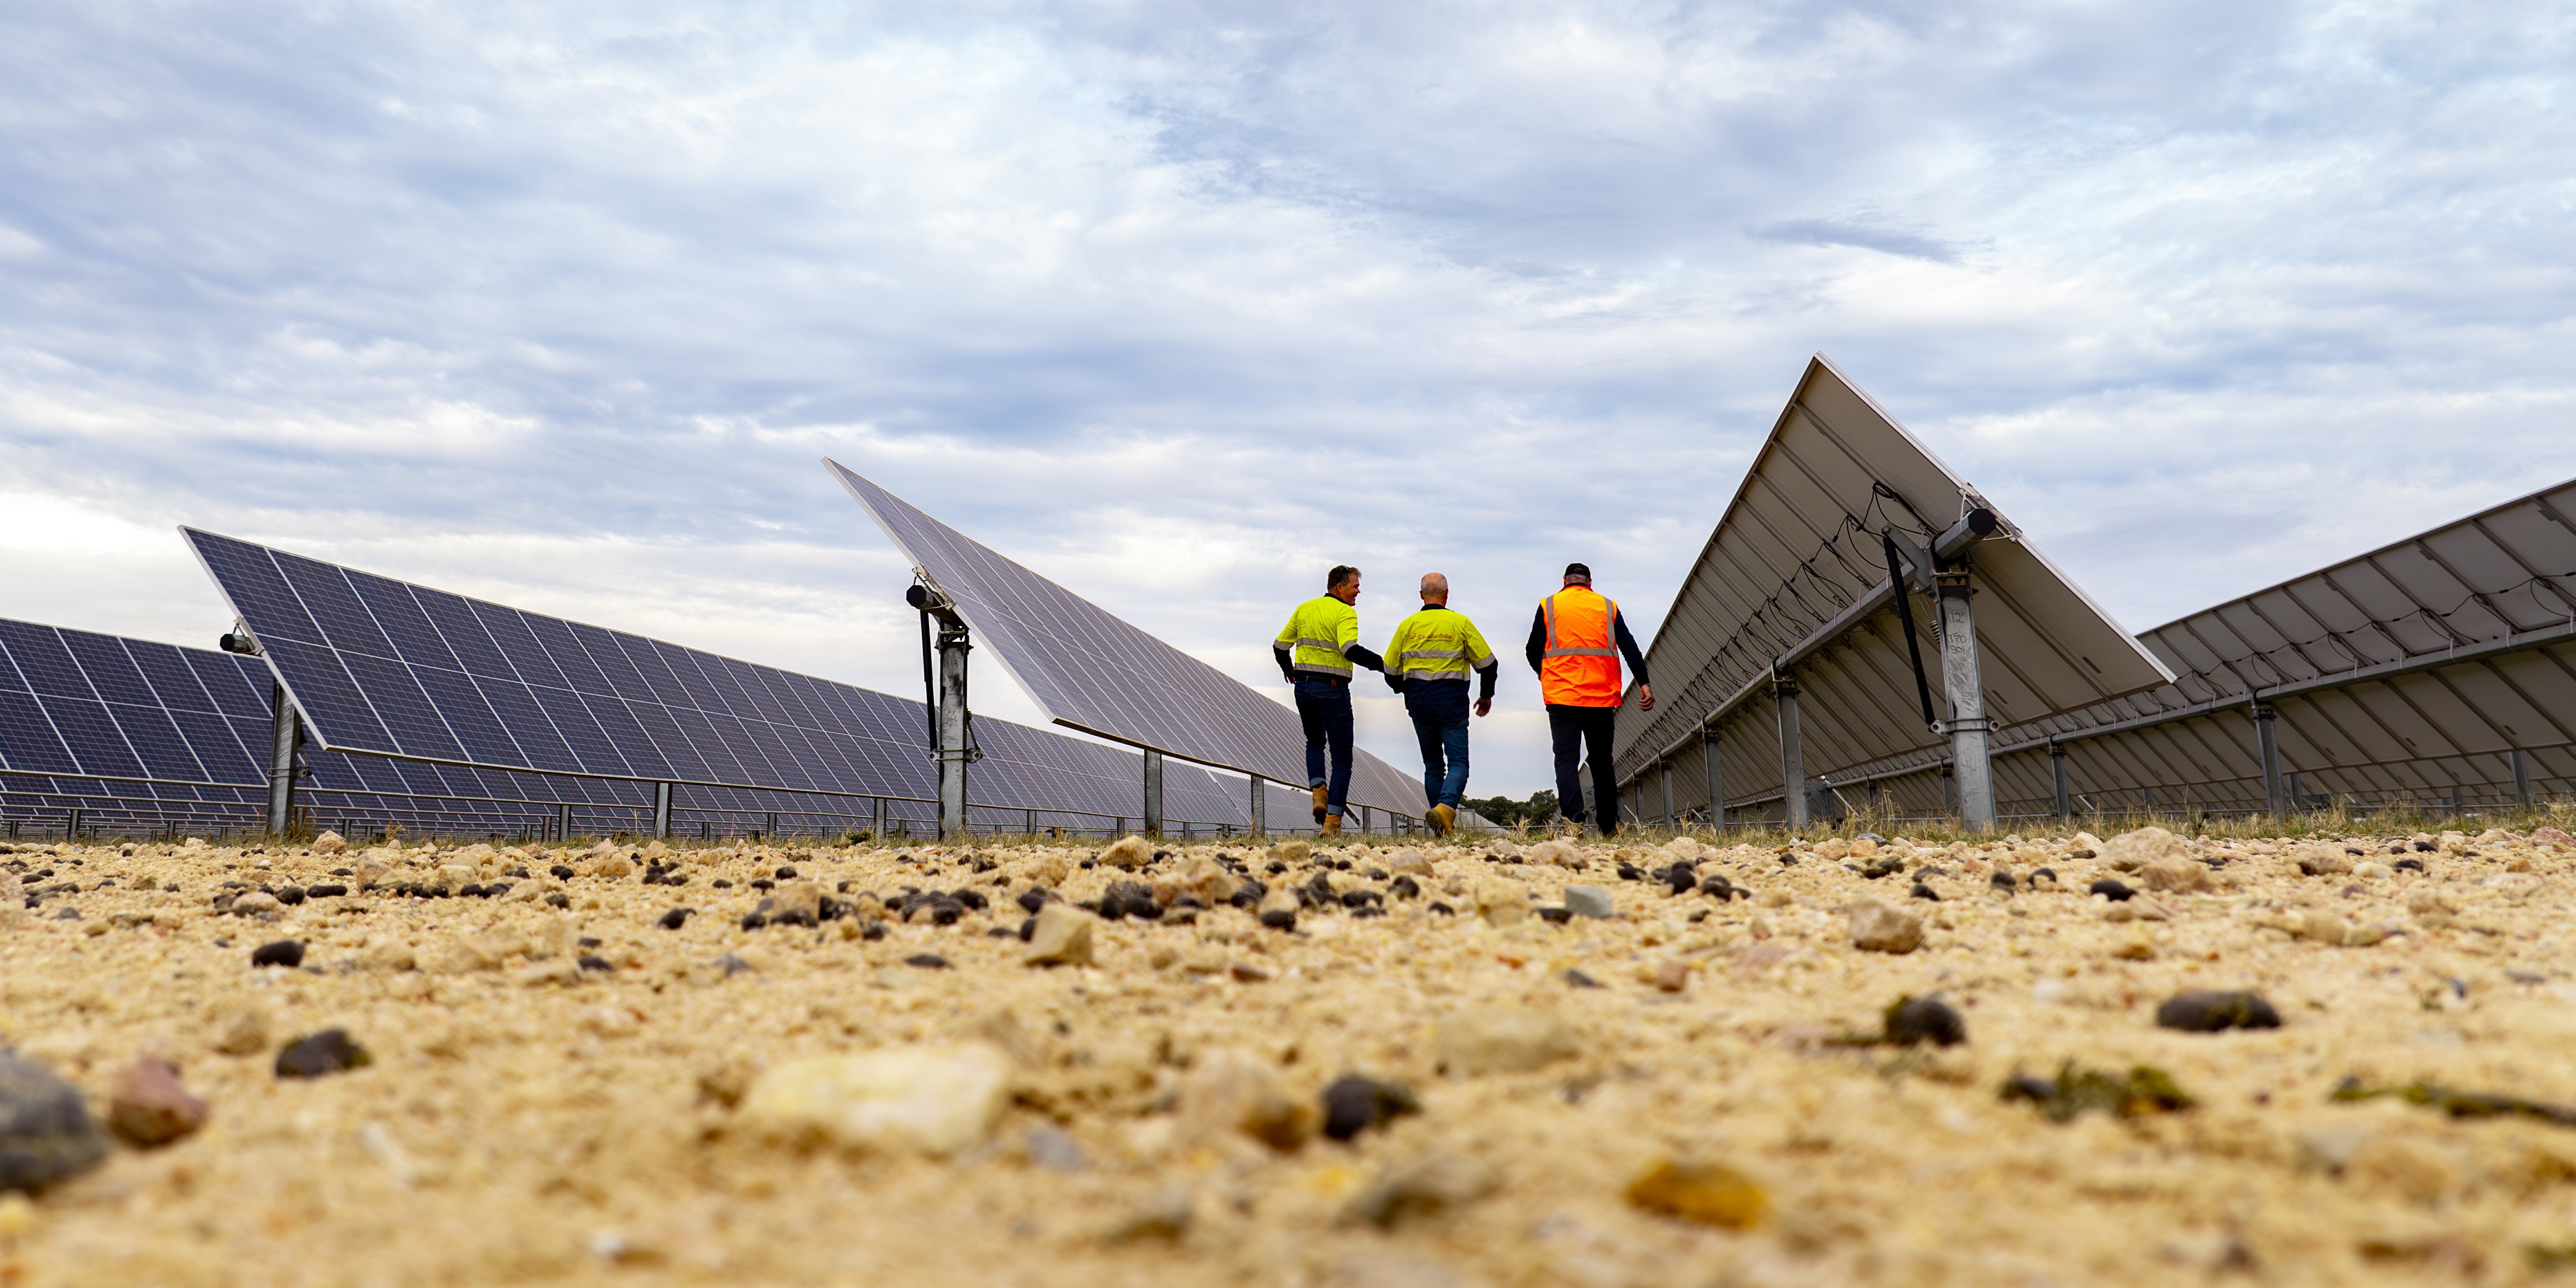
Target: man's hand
(1645, 697)
(1484, 706)
(1290, 677)
(1394, 680)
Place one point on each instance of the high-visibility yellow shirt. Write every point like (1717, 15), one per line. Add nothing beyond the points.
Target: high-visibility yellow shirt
(1317, 635)
(1437, 644)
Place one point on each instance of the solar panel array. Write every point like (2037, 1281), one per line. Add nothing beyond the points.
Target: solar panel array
(2414, 674)
(1089, 670)
(138, 734)
(1794, 575)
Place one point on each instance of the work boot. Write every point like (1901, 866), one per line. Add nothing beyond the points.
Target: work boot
(1332, 825)
(1444, 820)
(1320, 790)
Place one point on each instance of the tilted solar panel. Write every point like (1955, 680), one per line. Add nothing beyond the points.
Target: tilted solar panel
(388, 668)
(1092, 671)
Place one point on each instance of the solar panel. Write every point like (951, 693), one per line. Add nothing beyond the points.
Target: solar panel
(388, 668)
(1795, 578)
(1091, 671)
(196, 721)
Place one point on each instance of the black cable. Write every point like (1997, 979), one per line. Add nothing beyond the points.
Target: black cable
(1905, 615)
(929, 687)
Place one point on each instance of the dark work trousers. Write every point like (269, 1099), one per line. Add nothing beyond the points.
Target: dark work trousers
(1324, 707)
(1444, 760)
(1578, 731)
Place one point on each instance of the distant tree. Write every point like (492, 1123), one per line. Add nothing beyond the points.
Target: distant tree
(1511, 813)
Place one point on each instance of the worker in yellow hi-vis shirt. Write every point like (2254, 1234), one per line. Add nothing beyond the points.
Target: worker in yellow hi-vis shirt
(1429, 660)
(1316, 651)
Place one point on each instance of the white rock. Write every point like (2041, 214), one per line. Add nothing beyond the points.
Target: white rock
(1879, 928)
(1588, 901)
(2131, 851)
(1062, 937)
(928, 1100)
(1502, 1039)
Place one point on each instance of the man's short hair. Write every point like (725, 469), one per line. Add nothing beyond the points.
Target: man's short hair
(1340, 573)
(1435, 584)
(1578, 570)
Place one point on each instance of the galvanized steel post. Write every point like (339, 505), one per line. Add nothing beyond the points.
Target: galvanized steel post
(1665, 771)
(953, 648)
(1259, 811)
(2268, 744)
(661, 811)
(285, 729)
(1154, 794)
(1962, 680)
(2057, 777)
(1793, 757)
(1716, 780)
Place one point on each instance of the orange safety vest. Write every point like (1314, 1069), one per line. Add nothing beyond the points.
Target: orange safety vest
(1580, 666)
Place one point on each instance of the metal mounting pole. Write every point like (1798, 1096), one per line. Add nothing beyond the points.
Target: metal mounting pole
(1716, 780)
(563, 823)
(285, 729)
(2057, 776)
(1967, 726)
(953, 648)
(1793, 757)
(2521, 776)
(1154, 794)
(1665, 771)
(2268, 743)
(661, 811)
(1259, 812)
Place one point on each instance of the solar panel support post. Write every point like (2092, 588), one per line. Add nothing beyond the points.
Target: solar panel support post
(2057, 777)
(1259, 813)
(1665, 771)
(284, 731)
(1793, 757)
(1716, 780)
(563, 823)
(1154, 795)
(2267, 743)
(72, 824)
(876, 820)
(2521, 776)
(954, 645)
(1967, 726)
(661, 811)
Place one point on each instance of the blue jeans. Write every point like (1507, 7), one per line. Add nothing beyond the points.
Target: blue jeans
(1441, 742)
(1324, 708)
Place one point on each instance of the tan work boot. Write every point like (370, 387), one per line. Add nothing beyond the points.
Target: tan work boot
(1319, 804)
(1332, 825)
(1444, 820)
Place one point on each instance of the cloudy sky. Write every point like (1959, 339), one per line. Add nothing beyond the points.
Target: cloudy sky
(1179, 304)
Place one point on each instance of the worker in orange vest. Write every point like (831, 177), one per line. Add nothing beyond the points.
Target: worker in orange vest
(1575, 644)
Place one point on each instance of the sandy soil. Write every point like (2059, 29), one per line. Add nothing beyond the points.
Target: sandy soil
(528, 1120)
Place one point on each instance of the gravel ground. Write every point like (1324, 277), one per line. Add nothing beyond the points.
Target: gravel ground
(1699, 1088)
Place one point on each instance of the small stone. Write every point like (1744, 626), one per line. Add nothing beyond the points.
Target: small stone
(559, 973)
(1589, 901)
(1671, 975)
(927, 961)
(330, 843)
(1422, 1186)
(676, 918)
(240, 1026)
(2115, 890)
(254, 902)
(1706, 1193)
(46, 1133)
(1409, 863)
(2131, 851)
(1502, 1039)
(284, 952)
(1130, 853)
(1503, 903)
(929, 1100)
(1353, 1104)
(1235, 1091)
(329, 1051)
(1165, 1214)
(386, 955)
(148, 1106)
(1580, 980)
(1290, 852)
(1913, 1020)
(2213, 1012)
(2550, 836)
(1052, 1149)
(1060, 935)
(2176, 873)
(1879, 928)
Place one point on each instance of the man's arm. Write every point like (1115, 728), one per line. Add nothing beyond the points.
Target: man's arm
(1628, 648)
(1357, 652)
(1491, 671)
(1287, 664)
(1538, 636)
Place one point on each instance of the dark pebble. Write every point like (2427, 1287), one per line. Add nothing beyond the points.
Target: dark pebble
(1276, 868)
(1032, 899)
(1005, 932)
(588, 961)
(291, 895)
(284, 952)
(2114, 890)
(469, 891)
(1922, 891)
(1883, 868)
(560, 872)
(873, 930)
(558, 899)
(345, 872)
(763, 883)
(1555, 916)
(1631, 872)
(2002, 880)
(1580, 980)
(753, 921)
(1353, 1104)
(328, 890)
(1405, 887)
(1682, 878)
(2408, 865)
(1279, 919)
(927, 961)
(1028, 929)
(326, 1052)
(721, 883)
(676, 918)
(2425, 847)
(46, 1132)
(1719, 888)
(2212, 1012)
(787, 874)
(1914, 1020)
(1443, 909)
